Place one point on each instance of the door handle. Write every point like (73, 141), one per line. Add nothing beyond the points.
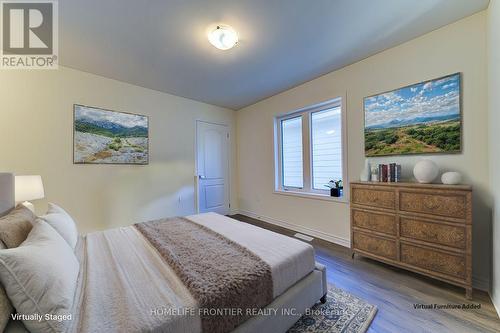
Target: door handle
(201, 176)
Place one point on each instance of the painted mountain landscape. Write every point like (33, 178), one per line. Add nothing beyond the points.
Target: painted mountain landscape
(109, 137)
(422, 118)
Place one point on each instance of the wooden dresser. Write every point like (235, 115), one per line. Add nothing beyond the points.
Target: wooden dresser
(425, 228)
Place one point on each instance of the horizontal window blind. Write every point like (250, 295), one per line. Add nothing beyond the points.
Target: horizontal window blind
(326, 146)
(292, 163)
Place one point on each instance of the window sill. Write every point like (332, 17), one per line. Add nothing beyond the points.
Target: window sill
(314, 196)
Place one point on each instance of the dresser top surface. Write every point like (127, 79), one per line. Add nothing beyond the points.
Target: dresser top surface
(416, 185)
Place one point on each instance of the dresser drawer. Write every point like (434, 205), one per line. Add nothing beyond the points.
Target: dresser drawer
(449, 264)
(435, 204)
(376, 245)
(374, 197)
(433, 232)
(384, 223)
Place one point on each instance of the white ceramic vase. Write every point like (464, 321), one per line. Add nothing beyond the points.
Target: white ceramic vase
(425, 171)
(451, 178)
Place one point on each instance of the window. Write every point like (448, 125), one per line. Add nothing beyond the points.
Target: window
(309, 149)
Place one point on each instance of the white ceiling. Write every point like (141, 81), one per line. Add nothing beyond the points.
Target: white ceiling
(162, 44)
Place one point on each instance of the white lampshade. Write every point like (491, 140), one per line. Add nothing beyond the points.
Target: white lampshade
(28, 188)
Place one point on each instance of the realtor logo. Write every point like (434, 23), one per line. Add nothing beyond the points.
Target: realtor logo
(29, 35)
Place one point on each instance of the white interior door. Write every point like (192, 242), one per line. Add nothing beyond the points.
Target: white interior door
(212, 161)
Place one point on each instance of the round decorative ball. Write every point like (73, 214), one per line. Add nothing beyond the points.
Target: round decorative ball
(451, 178)
(425, 171)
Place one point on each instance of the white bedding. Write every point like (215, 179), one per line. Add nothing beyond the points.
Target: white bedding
(125, 284)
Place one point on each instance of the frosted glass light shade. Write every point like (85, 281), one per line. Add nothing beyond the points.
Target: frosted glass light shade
(223, 37)
(28, 188)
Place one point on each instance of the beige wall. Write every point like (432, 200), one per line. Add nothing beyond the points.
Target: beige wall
(460, 47)
(494, 121)
(36, 120)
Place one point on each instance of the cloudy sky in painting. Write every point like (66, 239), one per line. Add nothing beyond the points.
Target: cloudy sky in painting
(414, 104)
(124, 119)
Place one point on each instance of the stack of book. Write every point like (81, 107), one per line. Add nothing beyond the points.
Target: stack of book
(389, 173)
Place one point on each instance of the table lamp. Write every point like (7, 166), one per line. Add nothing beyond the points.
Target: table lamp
(28, 188)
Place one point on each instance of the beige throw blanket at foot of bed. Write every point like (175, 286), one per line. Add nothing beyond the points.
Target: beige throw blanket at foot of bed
(222, 276)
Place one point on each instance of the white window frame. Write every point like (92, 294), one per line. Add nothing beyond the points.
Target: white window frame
(307, 190)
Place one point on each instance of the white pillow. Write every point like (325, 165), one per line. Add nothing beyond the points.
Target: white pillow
(53, 208)
(40, 278)
(5, 306)
(62, 223)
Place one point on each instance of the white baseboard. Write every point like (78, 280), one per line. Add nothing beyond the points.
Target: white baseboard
(308, 231)
(477, 282)
(496, 304)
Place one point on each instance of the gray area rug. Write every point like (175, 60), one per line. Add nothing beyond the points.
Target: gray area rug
(342, 312)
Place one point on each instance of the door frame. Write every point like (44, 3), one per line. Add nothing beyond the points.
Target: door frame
(229, 157)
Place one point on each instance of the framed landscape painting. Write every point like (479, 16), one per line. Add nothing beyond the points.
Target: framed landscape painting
(422, 118)
(109, 137)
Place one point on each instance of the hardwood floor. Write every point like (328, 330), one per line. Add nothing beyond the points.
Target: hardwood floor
(395, 292)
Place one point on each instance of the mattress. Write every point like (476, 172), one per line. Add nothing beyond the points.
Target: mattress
(125, 285)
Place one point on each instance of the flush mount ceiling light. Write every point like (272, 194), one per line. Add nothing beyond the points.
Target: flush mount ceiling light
(223, 37)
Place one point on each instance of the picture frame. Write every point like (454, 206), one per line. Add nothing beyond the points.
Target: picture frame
(422, 118)
(102, 136)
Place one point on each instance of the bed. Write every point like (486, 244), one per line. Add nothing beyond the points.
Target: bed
(200, 273)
